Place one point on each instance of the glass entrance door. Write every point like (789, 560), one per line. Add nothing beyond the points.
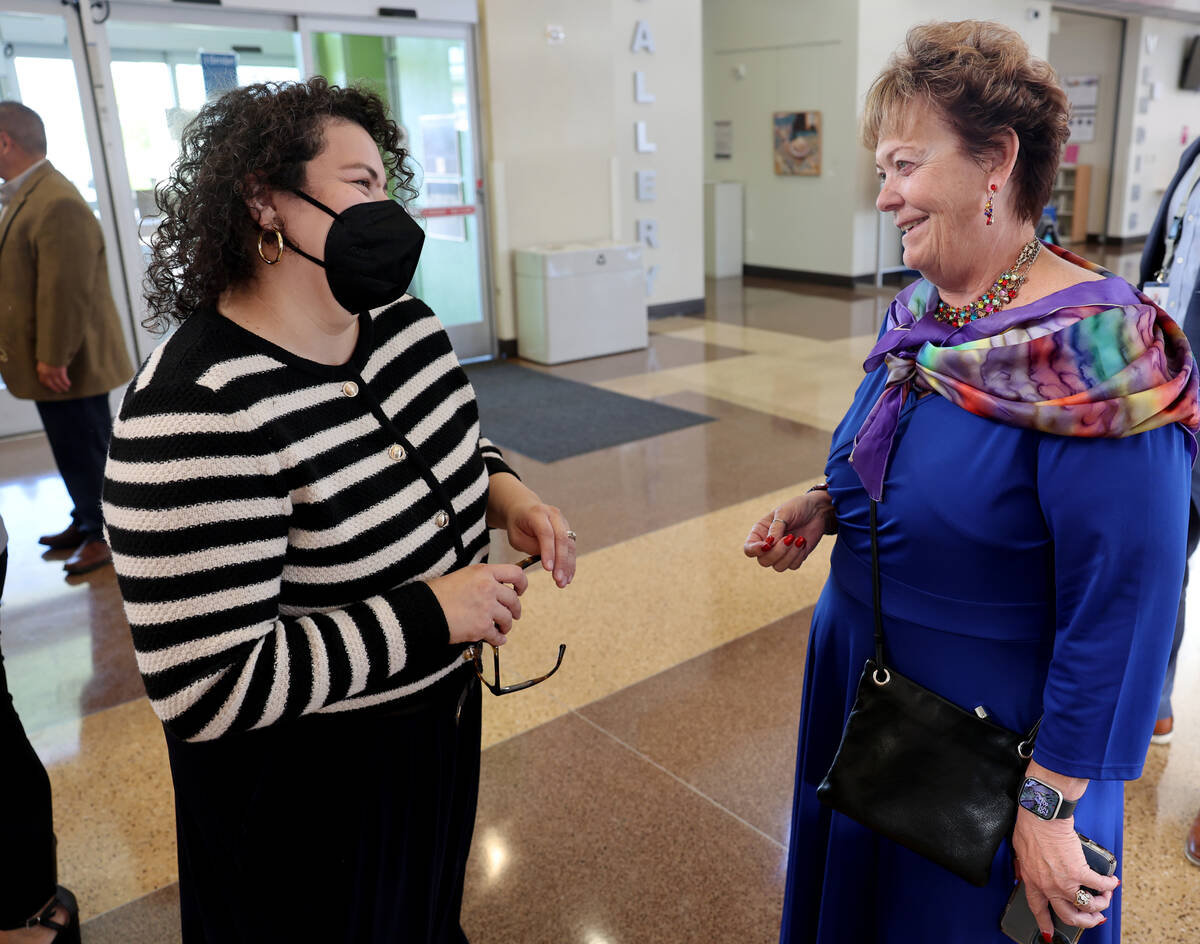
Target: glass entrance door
(42, 65)
(163, 71)
(427, 76)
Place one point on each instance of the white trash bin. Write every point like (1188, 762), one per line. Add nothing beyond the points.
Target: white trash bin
(580, 300)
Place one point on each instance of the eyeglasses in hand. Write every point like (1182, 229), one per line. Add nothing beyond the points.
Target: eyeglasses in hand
(476, 654)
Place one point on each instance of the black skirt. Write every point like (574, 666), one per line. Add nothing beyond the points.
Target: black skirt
(352, 828)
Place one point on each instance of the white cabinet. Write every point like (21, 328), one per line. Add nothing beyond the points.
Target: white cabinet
(580, 300)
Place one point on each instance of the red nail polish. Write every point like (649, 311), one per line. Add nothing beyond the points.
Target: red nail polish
(787, 540)
(1102, 920)
(770, 543)
(800, 542)
(1048, 937)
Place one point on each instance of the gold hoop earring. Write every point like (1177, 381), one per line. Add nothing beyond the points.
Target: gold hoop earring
(278, 246)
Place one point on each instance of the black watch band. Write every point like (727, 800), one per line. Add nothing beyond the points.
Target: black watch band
(831, 523)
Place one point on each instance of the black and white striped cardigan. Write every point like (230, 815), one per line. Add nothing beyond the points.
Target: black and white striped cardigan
(272, 519)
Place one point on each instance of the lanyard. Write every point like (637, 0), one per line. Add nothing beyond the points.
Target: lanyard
(1183, 196)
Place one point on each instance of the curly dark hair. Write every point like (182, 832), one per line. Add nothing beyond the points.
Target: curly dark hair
(266, 133)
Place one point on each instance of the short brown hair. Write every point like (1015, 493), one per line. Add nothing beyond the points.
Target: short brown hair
(982, 79)
(24, 126)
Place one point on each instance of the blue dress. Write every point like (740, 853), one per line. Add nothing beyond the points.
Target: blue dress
(1022, 571)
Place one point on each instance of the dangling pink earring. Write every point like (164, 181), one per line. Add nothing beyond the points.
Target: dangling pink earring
(987, 208)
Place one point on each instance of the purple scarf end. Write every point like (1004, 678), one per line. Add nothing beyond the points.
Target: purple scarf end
(873, 444)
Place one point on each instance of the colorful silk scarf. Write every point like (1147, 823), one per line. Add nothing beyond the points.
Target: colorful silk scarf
(1083, 361)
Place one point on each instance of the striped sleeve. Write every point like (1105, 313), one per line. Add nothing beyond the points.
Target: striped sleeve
(493, 458)
(197, 514)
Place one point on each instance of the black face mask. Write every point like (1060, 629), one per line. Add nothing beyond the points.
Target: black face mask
(371, 253)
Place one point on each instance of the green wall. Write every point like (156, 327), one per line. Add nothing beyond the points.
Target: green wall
(448, 276)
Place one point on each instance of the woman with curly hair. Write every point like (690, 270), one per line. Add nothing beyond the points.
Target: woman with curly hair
(1009, 492)
(298, 499)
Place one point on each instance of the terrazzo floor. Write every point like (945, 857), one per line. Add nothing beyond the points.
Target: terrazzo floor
(673, 716)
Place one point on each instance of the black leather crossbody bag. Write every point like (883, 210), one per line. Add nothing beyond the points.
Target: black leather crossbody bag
(918, 769)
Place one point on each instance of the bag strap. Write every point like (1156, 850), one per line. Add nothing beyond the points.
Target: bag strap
(875, 587)
(1025, 748)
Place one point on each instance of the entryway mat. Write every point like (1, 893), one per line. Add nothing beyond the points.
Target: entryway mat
(549, 418)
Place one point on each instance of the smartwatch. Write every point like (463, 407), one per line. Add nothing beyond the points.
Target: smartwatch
(1045, 801)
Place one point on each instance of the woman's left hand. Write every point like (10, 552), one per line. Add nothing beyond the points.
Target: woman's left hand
(538, 528)
(1051, 862)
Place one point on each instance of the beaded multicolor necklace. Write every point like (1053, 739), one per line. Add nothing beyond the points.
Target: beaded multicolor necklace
(1003, 291)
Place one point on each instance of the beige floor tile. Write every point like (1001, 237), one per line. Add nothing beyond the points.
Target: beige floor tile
(647, 604)
(775, 343)
(506, 715)
(113, 804)
(809, 390)
(674, 323)
(1161, 888)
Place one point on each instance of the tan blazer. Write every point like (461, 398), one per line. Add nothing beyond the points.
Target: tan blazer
(55, 302)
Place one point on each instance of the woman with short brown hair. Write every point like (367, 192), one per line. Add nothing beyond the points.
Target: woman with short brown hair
(1031, 514)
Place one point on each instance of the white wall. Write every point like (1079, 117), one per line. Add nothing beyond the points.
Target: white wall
(815, 55)
(674, 124)
(561, 133)
(1144, 167)
(797, 55)
(1082, 44)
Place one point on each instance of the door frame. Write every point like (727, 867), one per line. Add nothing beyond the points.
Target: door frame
(179, 14)
(473, 341)
(23, 419)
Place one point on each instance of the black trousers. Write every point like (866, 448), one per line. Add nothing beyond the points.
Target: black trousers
(78, 431)
(335, 829)
(27, 858)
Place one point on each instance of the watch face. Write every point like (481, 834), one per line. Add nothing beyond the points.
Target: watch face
(1040, 799)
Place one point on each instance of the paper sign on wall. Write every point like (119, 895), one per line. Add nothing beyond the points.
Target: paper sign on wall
(220, 73)
(723, 140)
(1083, 93)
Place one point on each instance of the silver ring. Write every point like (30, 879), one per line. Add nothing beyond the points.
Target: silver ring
(1083, 898)
(572, 535)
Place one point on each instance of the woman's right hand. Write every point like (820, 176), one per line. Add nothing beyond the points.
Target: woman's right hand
(481, 601)
(784, 537)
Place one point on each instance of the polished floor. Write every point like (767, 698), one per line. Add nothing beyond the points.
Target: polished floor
(643, 794)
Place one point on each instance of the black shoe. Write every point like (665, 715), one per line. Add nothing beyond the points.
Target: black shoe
(69, 539)
(67, 933)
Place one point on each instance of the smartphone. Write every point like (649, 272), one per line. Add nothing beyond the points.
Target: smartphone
(1018, 922)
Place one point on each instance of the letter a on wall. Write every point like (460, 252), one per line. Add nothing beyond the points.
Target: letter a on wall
(642, 40)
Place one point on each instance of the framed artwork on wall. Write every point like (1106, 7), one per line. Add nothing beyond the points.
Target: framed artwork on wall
(797, 143)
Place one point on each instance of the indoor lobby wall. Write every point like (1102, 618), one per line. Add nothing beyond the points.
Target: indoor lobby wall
(811, 55)
(560, 119)
(1087, 44)
(764, 56)
(1168, 120)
